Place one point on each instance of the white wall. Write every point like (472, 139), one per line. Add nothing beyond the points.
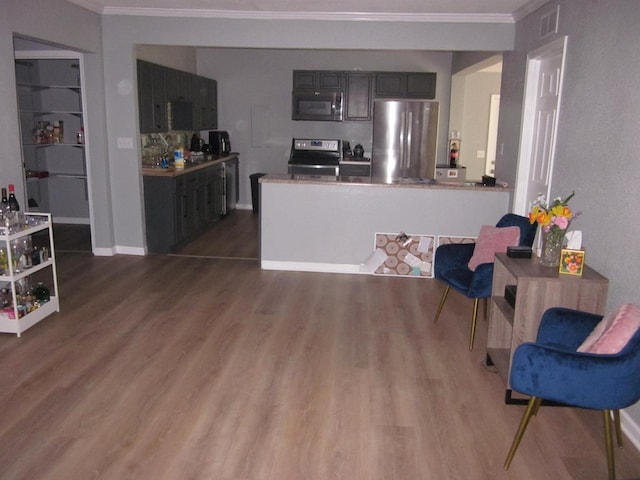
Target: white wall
(64, 26)
(478, 88)
(254, 92)
(598, 127)
(121, 35)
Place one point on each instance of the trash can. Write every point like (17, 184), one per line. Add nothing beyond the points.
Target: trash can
(255, 193)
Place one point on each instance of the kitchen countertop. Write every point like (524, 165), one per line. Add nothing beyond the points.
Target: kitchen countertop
(204, 161)
(373, 182)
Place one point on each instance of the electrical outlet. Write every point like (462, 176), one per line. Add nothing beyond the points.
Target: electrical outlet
(480, 153)
(125, 143)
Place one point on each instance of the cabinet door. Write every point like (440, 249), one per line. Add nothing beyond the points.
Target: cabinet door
(212, 105)
(152, 97)
(303, 79)
(205, 103)
(145, 96)
(421, 85)
(329, 80)
(358, 98)
(212, 194)
(318, 80)
(406, 84)
(178, 85)
(390, 84)
(159, 99)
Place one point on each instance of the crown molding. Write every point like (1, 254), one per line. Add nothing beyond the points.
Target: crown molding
(274, 15)
(528, 8)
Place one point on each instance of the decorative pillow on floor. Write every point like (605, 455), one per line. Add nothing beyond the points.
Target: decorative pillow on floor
(492, 240)
(615, 332)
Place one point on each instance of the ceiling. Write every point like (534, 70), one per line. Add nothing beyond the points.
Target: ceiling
(416, 10)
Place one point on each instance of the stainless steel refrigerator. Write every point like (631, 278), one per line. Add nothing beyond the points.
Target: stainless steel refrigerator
(404, 139)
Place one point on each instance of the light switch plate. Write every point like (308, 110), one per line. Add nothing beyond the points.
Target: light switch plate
(125, 143)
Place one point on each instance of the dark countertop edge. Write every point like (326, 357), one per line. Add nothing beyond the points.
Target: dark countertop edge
(284, 178)
(172, 172)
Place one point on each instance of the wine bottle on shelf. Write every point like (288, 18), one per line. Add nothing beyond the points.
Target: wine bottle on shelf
(5, 200)
(12, 201)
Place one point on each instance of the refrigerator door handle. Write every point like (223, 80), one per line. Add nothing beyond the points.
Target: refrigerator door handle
(403, 139)
(408, 146)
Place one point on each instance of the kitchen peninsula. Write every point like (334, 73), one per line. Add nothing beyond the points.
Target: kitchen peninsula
(330, 226)
(179, 204)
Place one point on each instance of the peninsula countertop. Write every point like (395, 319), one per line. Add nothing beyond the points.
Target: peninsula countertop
(203, 161)
(333, 226)
(373, 182)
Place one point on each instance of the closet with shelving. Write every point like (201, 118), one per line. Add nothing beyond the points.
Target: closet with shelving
(51, 109)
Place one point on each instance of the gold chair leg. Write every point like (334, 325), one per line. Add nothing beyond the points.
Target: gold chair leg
(474, 317)
(532, 408)
(536, 407)
(441, 304)
(608, 439)
(616, 418)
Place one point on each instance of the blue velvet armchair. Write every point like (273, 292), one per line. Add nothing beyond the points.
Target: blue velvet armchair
(451, 267)
(552, 369)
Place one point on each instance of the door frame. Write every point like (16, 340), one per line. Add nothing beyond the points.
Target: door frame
(525, 150)
(79, 56)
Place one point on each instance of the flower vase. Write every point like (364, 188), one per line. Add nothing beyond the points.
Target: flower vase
(551, 246)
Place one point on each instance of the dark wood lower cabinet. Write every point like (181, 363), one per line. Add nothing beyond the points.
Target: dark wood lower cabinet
(179, 208)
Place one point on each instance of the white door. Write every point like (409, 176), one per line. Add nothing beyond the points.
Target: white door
(539, 122)
(492, 137)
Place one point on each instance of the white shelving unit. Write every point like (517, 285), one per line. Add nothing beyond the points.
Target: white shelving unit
(50, 89)
(18, 320)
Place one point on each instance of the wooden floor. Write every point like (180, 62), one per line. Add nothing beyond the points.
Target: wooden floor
(188, 367)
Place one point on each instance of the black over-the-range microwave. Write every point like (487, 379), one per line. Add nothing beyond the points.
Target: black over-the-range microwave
(315, 105)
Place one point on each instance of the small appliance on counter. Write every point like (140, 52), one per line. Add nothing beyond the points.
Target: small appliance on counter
(356, 167)
(446, 173)
(358, 151)
(219, 142)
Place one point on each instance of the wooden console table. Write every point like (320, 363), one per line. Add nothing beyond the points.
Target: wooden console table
(538, 288)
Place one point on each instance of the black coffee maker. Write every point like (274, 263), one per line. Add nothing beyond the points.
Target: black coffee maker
(219, 142)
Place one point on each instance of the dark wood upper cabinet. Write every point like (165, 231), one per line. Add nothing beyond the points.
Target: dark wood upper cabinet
(178, 85)
(158, 85)
(405, 85)
(360, 88)
(359, 100)
(318, 80)
(152, 97)
(390, 84)
(421, 85)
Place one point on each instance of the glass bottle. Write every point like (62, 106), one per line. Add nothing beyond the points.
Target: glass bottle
(14, 206)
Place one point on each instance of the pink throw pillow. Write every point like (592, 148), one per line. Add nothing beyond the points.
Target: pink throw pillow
(493, 240)
(596, 333)
(625, 322)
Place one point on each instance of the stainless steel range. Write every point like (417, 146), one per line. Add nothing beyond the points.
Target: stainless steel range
(315, 158)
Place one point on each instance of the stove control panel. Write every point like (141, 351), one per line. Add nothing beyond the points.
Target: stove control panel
(317, 144)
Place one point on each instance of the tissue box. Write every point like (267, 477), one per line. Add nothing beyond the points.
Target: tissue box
(571, 261)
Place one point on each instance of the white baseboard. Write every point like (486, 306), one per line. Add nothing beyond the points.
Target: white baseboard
(630, 428)
(130, 250)
(104, 252)
(310, 267)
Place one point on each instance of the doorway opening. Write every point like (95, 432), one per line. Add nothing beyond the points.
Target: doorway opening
(473, 117)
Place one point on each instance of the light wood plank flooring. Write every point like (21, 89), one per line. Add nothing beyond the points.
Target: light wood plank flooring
(185, 367)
